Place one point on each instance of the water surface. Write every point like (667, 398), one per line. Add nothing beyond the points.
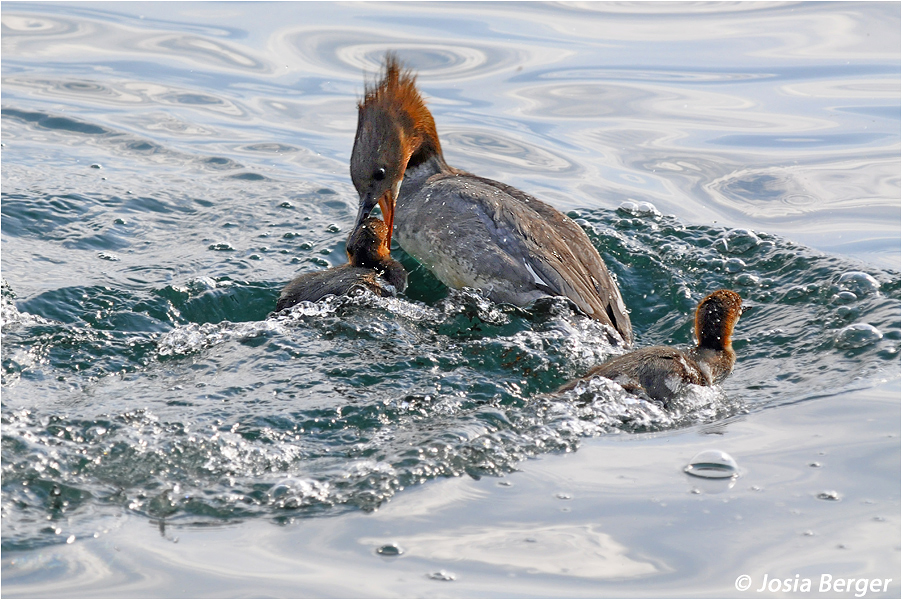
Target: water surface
(167, 168)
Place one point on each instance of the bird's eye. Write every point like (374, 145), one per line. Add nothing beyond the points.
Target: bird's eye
(379, 174)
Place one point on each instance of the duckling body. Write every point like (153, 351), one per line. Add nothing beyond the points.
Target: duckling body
(662, 372)
(470, 231)
(369, 265)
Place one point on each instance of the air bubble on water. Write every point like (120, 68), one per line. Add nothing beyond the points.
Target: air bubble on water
(858, 282)
(734, 265)
(639, 209)
(442, 576)
(857, 335)
(844, 298)
(737, 241)
(831, 495)
(390, 550)
(712, 464)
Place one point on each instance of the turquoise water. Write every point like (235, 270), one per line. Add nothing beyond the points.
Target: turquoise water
(167, 168)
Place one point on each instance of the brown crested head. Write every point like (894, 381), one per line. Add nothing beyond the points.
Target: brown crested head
(394, 130)
(715, 318)
(368, 244)
(396, 99)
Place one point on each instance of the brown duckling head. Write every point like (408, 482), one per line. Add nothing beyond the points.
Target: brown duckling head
(368, 244)
(715, 318)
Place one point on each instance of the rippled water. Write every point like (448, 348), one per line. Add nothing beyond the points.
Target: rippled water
(168, 167)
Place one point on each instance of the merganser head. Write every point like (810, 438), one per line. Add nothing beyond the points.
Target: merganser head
(715, 318)
(368, 244)
(393, 126)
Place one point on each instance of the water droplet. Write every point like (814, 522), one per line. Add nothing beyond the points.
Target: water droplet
(814, 464)
(390, 550)
(712, 464)
(857, 335)
(830, 495)
(442, 576)
(563, 496)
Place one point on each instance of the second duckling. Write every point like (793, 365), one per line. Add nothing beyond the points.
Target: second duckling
(662, 372)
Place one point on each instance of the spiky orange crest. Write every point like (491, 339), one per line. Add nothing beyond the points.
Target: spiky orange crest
(397, 95)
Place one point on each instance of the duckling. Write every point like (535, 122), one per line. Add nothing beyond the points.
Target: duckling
(370, 265)
(662, 372)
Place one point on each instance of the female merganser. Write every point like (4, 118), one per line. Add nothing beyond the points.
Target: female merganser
(662, 372)
(369, 265)
(470, 231)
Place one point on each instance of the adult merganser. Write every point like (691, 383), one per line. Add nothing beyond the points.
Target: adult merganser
(370, 265)
(468, 230)
(662, 372)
